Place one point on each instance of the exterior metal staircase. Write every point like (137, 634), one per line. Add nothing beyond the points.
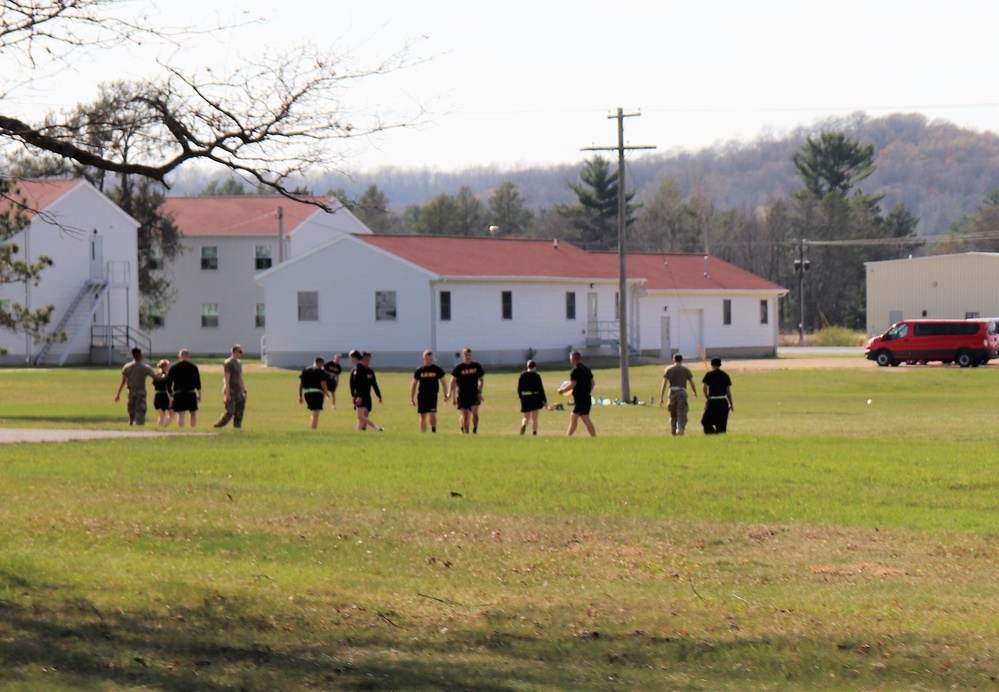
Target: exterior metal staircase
(75, 321)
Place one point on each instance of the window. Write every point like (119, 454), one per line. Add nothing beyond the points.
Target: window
(726, 312)
(209, 257)
(209, 315)
(445, 306)
(617, 305)
(384, 305)
(570, 305)
(971, 315)
(5, 305)
(308, 306)
(156, 316)
(764, 312)
(263, 260)
(508, 305)
(155, 259)
(260, 323)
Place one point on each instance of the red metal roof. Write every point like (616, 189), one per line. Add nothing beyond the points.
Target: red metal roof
(237, 215)
(39, 194)
(689, 272)
(519, 257)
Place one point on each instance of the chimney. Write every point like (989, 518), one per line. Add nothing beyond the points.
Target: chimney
(706, 274)
(555, 243)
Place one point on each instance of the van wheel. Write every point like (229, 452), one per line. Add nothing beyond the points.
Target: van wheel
(976, 363)
(884, 358)
(964, 359)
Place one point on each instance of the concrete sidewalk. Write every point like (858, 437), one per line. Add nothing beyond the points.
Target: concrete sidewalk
(13, 435)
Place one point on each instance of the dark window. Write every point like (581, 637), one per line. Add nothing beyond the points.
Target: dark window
(764, 312)
(946, 328)
(726, 312)
(260, 321)
(262, 257)
(210, 315)
(209, 257)
(308, 306)
(570, 305)
(385, 305)
(445, 306)
(508, 305)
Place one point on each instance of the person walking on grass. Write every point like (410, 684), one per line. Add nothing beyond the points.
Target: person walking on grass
(134, 374)
(677, 377)
(184, 386)
(333, 370)
(313, 390)
(717, 387)
(467, 380)
(531, 391)
(162, 401)
(424, 390)
(362, 382)
(233, 390)
(581, 384)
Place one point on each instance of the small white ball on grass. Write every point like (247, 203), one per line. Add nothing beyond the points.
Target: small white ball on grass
(868, 402)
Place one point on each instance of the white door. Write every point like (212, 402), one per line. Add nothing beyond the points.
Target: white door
(591, 315)
(665, 350)
(96, 258)
(691, 333)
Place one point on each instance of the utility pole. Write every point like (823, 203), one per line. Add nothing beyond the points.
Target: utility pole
(622, 222)
(801, 265)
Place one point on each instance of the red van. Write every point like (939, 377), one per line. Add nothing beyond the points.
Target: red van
(965, 342)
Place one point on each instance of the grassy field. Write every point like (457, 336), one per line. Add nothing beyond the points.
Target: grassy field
(823, 543)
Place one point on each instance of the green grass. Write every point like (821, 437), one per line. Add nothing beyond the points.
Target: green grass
(823, 543)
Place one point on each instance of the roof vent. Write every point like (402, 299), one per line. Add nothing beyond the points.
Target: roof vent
(555, 243)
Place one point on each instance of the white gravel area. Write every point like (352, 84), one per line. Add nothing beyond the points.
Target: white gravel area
(11, 435)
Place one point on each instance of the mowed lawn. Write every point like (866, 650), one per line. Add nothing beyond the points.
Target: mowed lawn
(825, 542)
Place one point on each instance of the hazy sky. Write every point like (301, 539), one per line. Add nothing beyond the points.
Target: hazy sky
(518, 83)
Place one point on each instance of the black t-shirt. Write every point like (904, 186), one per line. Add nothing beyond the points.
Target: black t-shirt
(313, 378)
(467, 375)
(333, 369)
(183, 376)
(429, 378)
(583, 377)
(363, 381)
(718, 382)
(530, 384)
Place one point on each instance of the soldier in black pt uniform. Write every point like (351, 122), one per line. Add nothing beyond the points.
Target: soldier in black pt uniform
(313, 390)
(427, 379)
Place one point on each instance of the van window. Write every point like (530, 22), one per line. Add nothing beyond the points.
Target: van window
(897, 332)
(946, 328)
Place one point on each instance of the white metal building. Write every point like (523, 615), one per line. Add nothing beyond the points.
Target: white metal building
(227, 241)
(940, 286)
(93, 283)
(507, 299)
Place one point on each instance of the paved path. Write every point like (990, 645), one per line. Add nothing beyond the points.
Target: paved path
(9, 435)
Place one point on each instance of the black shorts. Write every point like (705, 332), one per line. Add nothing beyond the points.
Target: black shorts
(467, 402)
(332, 384)
(185, 401)
(314, 400)
(365, 402)
(426, 404)
(161, 401)
(582, 405)
(532, 402)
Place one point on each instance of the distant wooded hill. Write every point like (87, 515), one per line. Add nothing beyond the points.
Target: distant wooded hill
(939, 170)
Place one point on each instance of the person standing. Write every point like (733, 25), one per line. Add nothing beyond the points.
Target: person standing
(313, 389)
(531, 391)
(362, 382)
(718, 404)
(333, 370)
(581, 384)
(184, 385)
(162, 401)
(427, 379)
(468, 378)
(233, 389)
(134, 374)
(676, 377)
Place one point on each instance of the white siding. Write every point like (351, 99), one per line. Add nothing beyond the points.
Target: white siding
(63, 233)
(232, 286)
(942, 286)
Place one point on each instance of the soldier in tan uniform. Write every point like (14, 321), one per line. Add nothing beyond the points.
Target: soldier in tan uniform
(676, 378)
(134, 374)
(233, 390)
